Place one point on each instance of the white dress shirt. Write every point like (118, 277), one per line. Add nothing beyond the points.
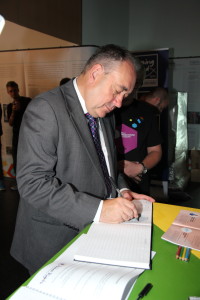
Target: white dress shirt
(103, 145)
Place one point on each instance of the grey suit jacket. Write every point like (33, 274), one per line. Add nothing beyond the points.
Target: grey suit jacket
(59, 176)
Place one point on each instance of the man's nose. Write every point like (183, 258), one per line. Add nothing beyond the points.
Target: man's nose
(118, 100)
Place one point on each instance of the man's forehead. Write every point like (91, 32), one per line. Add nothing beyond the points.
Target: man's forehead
(10, 88)
(129, 75)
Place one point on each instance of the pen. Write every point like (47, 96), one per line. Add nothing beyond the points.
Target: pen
(145, 291)
(187, 254)
(114, 185)
(181, 252)
(178, 252)
(183, 255)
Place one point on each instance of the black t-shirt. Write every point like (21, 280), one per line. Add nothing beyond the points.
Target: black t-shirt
(24, 101)
(136, 129)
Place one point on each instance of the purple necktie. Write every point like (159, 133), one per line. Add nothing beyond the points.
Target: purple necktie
(95, 135)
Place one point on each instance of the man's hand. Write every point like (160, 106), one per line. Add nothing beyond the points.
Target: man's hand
(16, 106)
(128, 194)
(121, 209)
(132, 169)
(118, 210)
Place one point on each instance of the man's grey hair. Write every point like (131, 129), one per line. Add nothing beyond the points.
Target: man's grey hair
(109, 55)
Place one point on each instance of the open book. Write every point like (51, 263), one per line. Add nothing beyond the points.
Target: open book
(185, 230)
(126, 244)
(65, 279)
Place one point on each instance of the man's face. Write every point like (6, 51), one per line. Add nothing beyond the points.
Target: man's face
(13, 92)
(162, 105)
(109, 90)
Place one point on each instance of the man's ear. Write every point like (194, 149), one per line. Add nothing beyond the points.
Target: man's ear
(96, 71)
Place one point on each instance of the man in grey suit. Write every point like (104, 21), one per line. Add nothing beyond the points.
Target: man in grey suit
(60, 180)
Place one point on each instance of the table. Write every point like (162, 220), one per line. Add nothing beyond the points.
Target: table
(172, 279)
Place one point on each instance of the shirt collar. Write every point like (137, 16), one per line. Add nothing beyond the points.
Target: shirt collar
(82, 101)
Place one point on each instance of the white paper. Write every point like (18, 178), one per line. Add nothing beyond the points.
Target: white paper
(69, 280)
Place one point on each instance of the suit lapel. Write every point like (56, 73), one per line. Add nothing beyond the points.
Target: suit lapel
(79, 121)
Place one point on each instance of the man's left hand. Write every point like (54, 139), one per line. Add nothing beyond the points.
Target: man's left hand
(128, 194)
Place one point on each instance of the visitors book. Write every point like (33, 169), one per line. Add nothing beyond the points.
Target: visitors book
(185, 230)
(126, 244)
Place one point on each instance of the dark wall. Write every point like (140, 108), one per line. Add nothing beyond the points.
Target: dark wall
(59, 18)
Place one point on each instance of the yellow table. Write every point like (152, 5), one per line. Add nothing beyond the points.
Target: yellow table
(164, 215)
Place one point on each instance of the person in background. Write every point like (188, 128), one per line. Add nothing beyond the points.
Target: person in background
(138, 140)
(158, 97)
(67, 155)
(15, 111)
(64, 80)
(2, 185)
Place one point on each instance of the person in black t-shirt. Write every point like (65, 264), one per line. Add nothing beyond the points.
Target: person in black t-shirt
(138, 139)
(138, 143)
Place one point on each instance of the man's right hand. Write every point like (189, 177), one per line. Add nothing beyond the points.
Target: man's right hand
(117, 210)
(16, 105)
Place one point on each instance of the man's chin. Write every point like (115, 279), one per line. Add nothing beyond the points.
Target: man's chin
(103, 112)
(109, 110)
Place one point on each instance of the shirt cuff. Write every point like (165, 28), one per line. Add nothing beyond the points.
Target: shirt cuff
(97, 216)
(124, 189)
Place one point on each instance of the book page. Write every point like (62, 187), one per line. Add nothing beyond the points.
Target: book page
(188, 219)
(117, 244)
(79, 281)
(144, 209)
(68, 280)
(29, 294)
(183, 236)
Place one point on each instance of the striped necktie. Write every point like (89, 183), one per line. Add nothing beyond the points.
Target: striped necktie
(93, 126)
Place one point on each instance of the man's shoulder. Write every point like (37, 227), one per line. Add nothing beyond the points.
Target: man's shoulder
(145, 108)
(57, 98)
(56, 92)
(25, 99)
